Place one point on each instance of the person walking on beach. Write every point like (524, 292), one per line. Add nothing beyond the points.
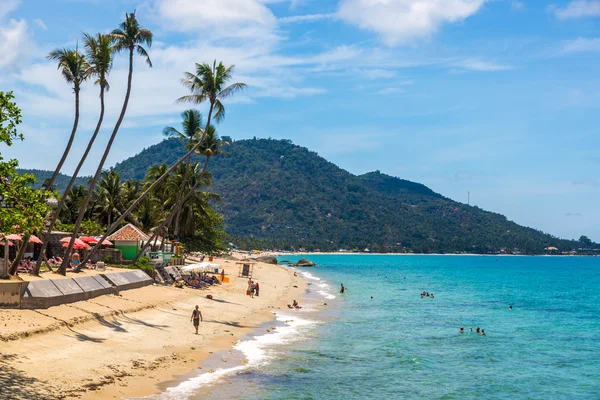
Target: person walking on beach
(196, 318)
(256, 289)
(342, 289)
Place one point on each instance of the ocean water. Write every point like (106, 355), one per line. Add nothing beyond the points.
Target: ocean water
(398, 345)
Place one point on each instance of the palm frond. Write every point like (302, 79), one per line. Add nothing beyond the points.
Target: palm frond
(231, 89)
(142, 52)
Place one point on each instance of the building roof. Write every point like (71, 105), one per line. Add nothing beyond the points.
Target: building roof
(129, 232)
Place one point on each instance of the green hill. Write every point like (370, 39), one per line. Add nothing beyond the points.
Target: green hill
(277, 194)
(61, 182)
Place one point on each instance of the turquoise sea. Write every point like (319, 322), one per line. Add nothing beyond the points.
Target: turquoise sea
(398, 345)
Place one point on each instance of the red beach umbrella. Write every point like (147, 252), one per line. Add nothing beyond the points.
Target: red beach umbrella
(89, 239)
(14, 236)
(78, 242)
(78, 246)
(34, 239)
(9, 242)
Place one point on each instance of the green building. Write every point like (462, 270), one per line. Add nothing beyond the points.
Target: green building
(129, 240)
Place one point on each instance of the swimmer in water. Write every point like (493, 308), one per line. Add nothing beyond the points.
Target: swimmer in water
(461, 330)
(483, 332)
(371, 297)
(477, 330)
(510, 308)
(342, 289)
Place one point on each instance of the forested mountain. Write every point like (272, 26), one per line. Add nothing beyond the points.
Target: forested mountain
(60, 183)
(275, 194)
(281, 195)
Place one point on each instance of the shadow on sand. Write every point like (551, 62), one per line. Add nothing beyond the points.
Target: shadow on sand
(15, 385)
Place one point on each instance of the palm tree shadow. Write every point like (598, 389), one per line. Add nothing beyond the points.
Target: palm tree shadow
(144, 323)
(225, 301)
(234, 324)
(114, 325)
(83, 337)
(15, 385)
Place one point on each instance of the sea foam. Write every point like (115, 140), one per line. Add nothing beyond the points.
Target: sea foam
(258, 351)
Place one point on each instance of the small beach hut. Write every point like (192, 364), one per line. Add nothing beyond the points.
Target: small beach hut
(128, 239)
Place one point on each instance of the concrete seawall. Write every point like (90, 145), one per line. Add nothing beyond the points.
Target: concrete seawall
(52, 292)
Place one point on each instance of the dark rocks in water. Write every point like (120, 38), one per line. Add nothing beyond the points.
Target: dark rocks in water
(303, 262)
(267, 259)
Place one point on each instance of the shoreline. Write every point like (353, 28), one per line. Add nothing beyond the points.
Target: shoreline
(333, 253)
(134, 344)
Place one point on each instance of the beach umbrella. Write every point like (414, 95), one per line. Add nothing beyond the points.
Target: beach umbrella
(78, 246)
(78, 242)
(89, 239)
(107, 243)
(34, 239)
(9, 242)
(14, 236)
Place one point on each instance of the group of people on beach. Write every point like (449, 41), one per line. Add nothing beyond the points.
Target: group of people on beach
(427, 294)
(294, 305)
(253, 288)
(477, 330)
(200, 280)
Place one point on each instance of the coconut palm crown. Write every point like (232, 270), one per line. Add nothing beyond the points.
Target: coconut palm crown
(208, 84)
(131, 36)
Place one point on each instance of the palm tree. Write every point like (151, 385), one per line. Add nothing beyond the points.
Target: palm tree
(75, 70)
(109, 195)
(148, 214)
(192, 125)
(99, 55)
(159, 191)
(209, 84)
(129, 192)
(210, 146)
(131, 37)
(71, 203)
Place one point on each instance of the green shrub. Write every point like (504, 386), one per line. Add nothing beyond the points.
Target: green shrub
(144, 264)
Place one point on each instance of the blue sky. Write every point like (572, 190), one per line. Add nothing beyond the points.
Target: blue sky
(499, 97)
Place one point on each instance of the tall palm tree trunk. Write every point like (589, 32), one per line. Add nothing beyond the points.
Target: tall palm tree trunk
(63, 267)
(176, 211)
(17, 260)
(69, 143)
(180, 194)
(112, 228)
(61, 204)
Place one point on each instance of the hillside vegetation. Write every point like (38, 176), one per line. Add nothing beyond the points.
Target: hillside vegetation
(279, 195)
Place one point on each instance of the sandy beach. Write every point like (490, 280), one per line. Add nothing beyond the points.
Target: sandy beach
(126, 345)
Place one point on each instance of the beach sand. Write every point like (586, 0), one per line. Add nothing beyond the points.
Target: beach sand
(112, 347)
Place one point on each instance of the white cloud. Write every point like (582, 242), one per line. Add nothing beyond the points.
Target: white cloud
(40, 24)
(15, 44)
(375, 73)
(306, 18)
(8, 6)
(581, 45)
(231, 18)
(517, 5)
(400, 21)
(475, 64)
(578, 9)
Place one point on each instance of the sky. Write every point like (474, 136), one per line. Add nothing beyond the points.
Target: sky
(496, 98)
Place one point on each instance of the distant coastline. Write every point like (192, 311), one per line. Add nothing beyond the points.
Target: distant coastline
(344, 253)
